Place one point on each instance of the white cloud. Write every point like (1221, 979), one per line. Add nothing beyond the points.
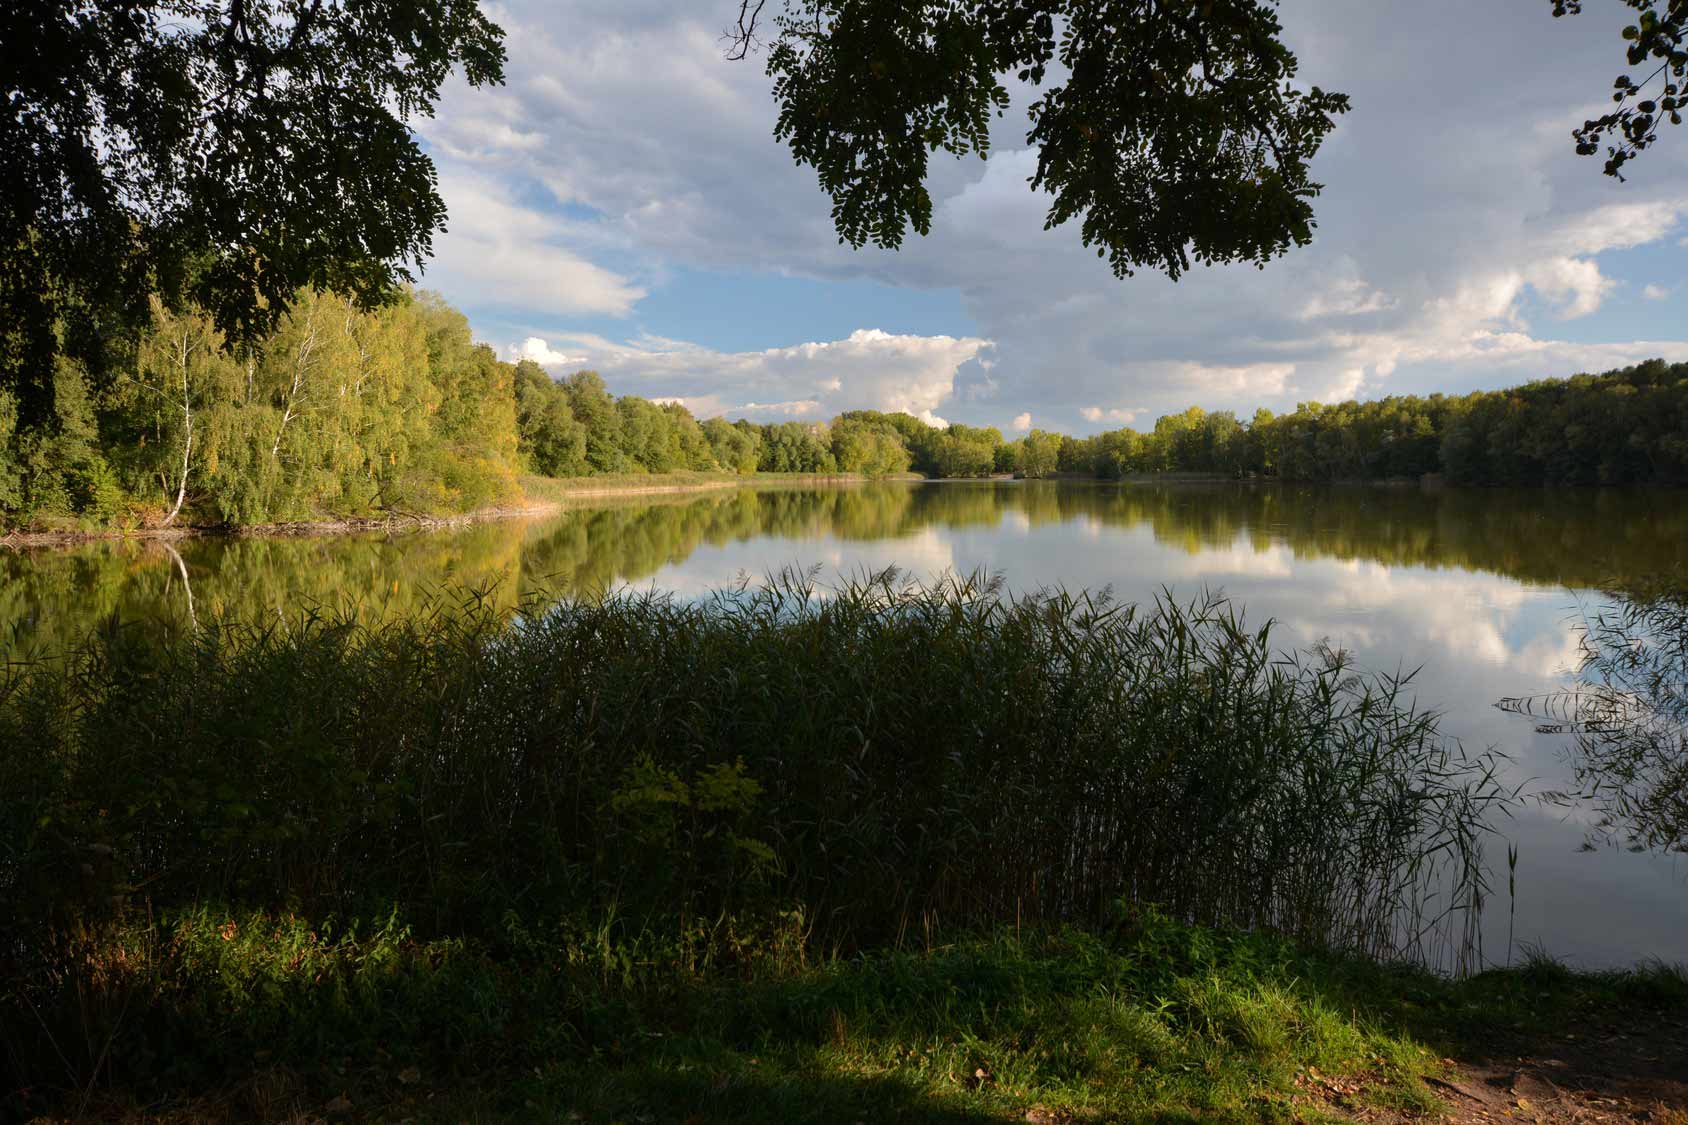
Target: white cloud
(1346, 298)
(543, 354)
(1619, 226)
(499, 249)
(802, 408)
(869, 369)
(1114, 414)
(1655, 292)
(1575, 284)
(1021, 422)
(1250, 380)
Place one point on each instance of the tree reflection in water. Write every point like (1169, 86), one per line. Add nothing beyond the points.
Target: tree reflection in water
(1628, 719)
(1567, 537)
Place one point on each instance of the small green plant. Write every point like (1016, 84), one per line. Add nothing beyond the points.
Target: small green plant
(682, 832)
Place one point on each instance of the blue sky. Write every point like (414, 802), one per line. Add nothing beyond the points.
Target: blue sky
(620, 203)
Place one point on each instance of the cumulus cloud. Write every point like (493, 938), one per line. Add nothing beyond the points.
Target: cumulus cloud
(869, 369)
(1575, 284)
(1021, 422)
(802, 408)
(500, 249)
(1260, 380)
(1112, 414)
(1352, 297)
(1655, 292)
(1454, 215)
(543, 354)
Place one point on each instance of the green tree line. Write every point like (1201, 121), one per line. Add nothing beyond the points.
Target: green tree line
(1628, 426)
(343, 412)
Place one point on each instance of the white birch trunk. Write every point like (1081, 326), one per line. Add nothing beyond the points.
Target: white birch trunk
(187, 430)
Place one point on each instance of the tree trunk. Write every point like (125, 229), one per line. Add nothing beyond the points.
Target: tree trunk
(301, 359)
(187, 432)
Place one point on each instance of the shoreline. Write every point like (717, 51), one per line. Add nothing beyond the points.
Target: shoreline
(304, 528)
(542, 496)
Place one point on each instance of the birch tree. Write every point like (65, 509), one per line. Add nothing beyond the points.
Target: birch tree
(177, 363)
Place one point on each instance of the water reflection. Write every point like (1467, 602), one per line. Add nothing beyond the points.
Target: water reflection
(1627, 718)
(1560, 539)
(1472, 588)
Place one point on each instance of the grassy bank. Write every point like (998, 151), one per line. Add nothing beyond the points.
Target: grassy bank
(774, 852)
(261, 1017)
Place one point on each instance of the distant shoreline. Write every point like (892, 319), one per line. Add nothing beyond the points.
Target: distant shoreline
(541, 496)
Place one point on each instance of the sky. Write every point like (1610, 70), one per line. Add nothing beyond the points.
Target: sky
(621, 204)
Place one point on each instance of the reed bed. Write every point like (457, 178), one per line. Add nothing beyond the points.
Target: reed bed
(853, 767)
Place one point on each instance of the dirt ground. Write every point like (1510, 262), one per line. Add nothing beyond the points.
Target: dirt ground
(1595, 1074)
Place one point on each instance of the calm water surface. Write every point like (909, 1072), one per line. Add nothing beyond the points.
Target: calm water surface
(1478, 590)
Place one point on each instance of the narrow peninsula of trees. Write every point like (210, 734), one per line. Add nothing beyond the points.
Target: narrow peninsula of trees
(344, 412)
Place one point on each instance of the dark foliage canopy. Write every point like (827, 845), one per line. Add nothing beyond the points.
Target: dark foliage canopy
(1171, 129)
(234, 151)
(1658, 43)
(228, 154)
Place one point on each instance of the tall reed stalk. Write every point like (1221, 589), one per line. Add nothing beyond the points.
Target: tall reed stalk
(882, 759)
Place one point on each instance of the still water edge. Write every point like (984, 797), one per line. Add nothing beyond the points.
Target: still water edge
(1478, 593)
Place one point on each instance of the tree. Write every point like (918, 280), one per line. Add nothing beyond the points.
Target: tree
(965, 451)
(1040, 454)
(179, 364)
(734, 448)
(230, 152)
(796, 447)
(1173, 130)
(645, 437)
(553, 444)
(873, 449)
(595, 410)
(11, 472)
(1657, 39)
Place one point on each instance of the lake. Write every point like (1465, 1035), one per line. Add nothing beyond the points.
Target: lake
(1479, 591)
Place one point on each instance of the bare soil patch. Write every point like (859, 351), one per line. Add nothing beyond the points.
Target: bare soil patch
(1593, 1074)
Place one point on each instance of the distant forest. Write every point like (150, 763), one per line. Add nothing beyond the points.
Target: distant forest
(345, 413)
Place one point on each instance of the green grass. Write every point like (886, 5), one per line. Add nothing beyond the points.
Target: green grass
(257, 1016)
